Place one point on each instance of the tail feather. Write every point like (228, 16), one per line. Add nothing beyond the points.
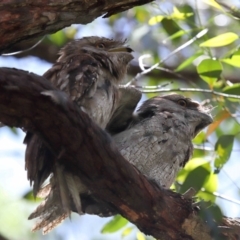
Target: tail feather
(74, 192)
(62, 195)
(38, 161)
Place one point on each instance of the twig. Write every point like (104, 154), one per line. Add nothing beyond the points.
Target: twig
(145, 71)
(158, 90)
(216, 194)
(25, 50)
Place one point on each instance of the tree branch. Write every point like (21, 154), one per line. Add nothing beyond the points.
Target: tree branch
(157, 89)
(31, 102)
(22, 20)
(49, 53)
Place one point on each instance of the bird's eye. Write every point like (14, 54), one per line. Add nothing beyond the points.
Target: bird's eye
(182, 103)
(101, 45)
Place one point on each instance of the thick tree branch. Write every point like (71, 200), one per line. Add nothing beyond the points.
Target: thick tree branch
(21, 20)
(31, 102)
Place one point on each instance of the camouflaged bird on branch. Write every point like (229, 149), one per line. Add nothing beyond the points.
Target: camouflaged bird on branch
(89, 70)
(156, 140)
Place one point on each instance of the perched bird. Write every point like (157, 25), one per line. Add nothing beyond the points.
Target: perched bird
(89, 70)
(156, 139)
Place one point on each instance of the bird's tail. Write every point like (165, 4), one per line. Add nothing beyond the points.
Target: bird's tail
(61, 195)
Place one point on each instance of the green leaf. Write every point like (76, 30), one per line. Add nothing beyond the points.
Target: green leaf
(59, 38)
(71, 32)
(223, 148)
(213, 3)
(142, 14)
(234, 89)
(190, 21)
(221, 40)
(209, 186)
(188, 61)
(155, 20)
(234, 60)
(175, 35)
(186, 175)
(29, 197)
(196, 178)
(200, 138)
(209, 70)
(190, 165)
(140, 236)
(126, 231)
(176, 14)
(170, 26)
(179, 15)
(115, 224)
(14, 130)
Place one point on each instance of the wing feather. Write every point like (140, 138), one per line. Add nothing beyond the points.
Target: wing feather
(77, 76)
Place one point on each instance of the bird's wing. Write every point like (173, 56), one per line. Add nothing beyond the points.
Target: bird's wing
(122, 116)
(148, 146)
(77, 76)
(140, 139)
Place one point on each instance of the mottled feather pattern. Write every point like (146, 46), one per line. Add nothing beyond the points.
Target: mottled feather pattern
(75, 76)
(50, 213)
(157, 140)
(88, 70)
(145, 145)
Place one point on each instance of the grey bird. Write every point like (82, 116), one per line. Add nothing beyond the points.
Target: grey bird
(157, 139)
(89, 70)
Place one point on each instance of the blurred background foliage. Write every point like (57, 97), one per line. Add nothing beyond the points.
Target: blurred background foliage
(196, 46)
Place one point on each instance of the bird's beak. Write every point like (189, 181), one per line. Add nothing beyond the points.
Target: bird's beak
(121, 49)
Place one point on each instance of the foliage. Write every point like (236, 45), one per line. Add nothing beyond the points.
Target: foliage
(210, 62)
(214, 61)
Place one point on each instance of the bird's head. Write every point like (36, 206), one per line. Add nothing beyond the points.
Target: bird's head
(192, 113)
(96, 44)
(111, 55)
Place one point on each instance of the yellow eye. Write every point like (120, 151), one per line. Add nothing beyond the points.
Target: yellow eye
(182, 103)
(101, 45)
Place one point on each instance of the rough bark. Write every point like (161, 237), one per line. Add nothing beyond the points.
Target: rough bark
(31, 102)
(22, 20)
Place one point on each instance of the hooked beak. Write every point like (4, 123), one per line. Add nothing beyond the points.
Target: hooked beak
(121, 49)
(207, 121)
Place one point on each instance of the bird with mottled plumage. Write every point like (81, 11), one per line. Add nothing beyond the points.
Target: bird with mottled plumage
(157, 139)
(89, 70)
